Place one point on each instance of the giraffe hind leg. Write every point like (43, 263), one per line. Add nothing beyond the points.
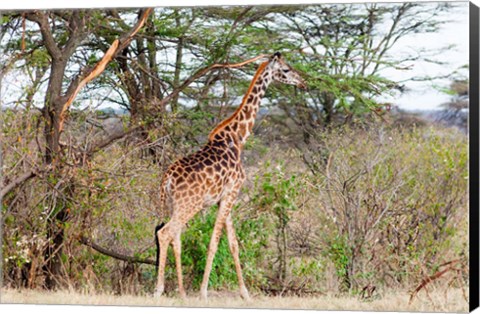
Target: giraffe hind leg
(164, 239)
(157, 243)
(177, 250)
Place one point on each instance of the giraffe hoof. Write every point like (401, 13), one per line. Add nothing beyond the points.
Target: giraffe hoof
(203, 295)
(244, 294)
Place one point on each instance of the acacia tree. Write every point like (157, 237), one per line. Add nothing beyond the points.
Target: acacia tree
(62, 32)
(455, 111)
(343, 51)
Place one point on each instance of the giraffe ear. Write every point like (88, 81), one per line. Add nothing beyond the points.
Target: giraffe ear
(277, 55)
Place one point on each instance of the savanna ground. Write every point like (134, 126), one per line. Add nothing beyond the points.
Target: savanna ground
(436, 300)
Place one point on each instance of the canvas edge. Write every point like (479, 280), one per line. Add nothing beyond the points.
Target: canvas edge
(474, 158)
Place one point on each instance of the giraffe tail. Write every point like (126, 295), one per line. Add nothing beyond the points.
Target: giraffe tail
(160, 226)
(165, 185)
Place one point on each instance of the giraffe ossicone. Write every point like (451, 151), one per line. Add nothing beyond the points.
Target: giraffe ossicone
(214, 175)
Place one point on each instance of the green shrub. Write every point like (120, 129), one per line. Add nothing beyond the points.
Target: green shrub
(251, 235)
(393, 202)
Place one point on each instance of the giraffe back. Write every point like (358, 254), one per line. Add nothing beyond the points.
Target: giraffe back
(202, 178)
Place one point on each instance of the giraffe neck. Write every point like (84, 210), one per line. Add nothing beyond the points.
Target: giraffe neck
(239, 125)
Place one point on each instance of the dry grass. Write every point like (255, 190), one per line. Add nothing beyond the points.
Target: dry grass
(436, 301)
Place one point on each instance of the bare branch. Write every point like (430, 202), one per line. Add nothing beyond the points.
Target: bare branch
(77, 32)
(109, 140)
(202, 72)
(117, 46)
(126, 258)
(17, 182)
(42, 21)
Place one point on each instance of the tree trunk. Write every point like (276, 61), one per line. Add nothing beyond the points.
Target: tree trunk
(56, 236)
(178, 66)
(52, 130)
(328, 102)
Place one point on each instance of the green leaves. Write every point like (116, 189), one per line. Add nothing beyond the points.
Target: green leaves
(40, 58)
(278, 191)
(251, 234)
(340, 254)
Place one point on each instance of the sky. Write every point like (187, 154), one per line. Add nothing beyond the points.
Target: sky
(427, 95)
(419, 95)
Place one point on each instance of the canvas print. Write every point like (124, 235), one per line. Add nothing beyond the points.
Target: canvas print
(276, 156)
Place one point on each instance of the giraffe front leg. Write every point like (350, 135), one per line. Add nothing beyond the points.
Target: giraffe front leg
(212, 249)
(233, 244)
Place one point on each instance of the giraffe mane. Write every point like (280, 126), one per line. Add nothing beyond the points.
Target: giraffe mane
(225, 122)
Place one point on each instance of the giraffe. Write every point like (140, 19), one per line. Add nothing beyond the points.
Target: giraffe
(214, 175)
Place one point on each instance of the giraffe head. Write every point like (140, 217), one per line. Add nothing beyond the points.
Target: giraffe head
(284, 73)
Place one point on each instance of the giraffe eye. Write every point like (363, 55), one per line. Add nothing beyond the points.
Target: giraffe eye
(286, 70)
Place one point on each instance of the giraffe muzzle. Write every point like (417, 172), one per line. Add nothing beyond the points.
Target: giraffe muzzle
(302, 85)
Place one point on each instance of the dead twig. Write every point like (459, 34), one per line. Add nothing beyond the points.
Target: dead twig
(451, 266)
(117, 46)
